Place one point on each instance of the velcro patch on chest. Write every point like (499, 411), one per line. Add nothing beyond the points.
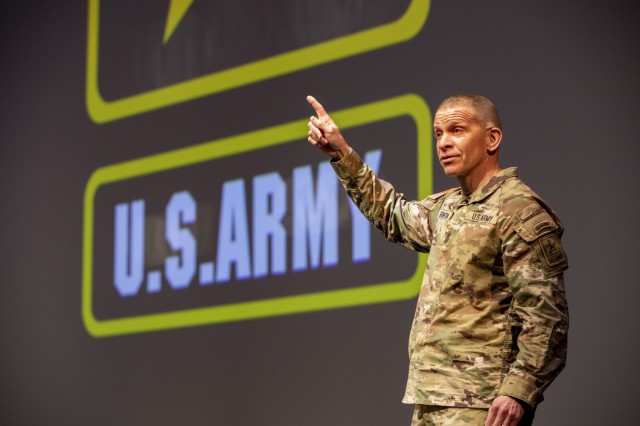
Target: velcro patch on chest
(482, 217)
(444, 215)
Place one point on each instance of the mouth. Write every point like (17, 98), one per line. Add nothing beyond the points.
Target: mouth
(448, 159)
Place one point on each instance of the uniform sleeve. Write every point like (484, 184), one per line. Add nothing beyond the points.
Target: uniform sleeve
(404, 222)
(534, 262)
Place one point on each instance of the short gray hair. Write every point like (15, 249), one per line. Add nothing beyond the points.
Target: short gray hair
(483, 106)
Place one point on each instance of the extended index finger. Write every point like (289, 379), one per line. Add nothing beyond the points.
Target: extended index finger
(317, 106)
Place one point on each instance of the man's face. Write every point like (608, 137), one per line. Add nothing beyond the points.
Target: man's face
(462, 140)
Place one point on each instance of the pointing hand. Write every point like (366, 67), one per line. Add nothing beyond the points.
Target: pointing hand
(324, 133)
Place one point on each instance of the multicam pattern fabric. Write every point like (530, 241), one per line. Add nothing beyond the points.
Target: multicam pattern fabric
(431, 415)
(491, 316)
(426, 415)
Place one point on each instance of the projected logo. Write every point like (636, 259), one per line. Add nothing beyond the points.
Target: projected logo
(142, 55)
(196, 236)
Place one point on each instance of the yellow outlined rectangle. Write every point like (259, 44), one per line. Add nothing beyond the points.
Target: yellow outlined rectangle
(408, 105)
(101, 110)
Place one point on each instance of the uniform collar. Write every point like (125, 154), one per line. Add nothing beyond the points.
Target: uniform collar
(493, 184)
(487, 189)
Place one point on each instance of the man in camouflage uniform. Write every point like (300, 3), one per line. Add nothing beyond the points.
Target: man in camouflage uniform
(490, 329)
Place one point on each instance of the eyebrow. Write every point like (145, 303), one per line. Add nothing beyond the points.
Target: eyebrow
(453, 122)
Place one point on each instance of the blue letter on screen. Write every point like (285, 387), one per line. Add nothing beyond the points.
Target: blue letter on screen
(269, 208)
(128, 268)
(180, 269)
(233, 235)
(360, 226)
(315, 216)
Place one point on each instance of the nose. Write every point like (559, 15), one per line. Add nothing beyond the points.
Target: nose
(444, 141)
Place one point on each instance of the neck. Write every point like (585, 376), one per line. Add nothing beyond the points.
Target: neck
(470, 183)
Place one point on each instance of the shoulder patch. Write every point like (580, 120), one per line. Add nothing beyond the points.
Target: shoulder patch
(539, 229)
(534, 223)
(552, 250)
(553, 257)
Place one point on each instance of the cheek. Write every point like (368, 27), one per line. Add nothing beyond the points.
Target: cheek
(474, 148)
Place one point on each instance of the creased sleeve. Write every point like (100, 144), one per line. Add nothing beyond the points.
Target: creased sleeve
(534, 262)
(401, 221)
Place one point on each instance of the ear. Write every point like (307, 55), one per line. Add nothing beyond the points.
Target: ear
(494, 137)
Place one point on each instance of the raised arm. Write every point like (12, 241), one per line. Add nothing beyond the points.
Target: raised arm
(401, 221)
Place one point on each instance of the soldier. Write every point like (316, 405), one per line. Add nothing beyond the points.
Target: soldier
(490, 328)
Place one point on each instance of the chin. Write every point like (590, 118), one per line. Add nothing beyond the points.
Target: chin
(450, 171)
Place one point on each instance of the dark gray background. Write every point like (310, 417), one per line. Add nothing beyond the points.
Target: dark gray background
(564, 76)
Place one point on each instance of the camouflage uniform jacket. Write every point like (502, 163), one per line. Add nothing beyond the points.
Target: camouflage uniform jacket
(491, 316)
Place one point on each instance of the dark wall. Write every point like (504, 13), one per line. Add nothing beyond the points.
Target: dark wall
(564, 77)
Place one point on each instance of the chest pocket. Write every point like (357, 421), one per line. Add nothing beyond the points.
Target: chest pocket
(440, 212)
(443, 228)
(478, 234)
